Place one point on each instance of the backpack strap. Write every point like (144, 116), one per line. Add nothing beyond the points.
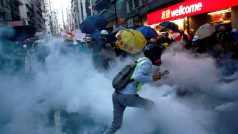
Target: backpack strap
(134, 64)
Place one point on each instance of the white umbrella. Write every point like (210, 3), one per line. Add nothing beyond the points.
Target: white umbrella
(78, 35)
(205, 30)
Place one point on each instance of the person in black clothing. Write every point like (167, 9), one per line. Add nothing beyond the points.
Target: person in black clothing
(164, 41)
(12, 52)
(191, 34)
(165, 38)
(99, 60)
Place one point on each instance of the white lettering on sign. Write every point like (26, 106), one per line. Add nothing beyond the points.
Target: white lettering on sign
(187, 9)
(182, 10)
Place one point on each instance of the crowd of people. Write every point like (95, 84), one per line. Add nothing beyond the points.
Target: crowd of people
(101, 46)
(223, 43)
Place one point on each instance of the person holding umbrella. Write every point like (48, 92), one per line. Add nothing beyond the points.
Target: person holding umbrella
(128, 97)
(165, 40)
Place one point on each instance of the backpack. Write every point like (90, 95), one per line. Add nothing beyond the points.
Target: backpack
(123, 77)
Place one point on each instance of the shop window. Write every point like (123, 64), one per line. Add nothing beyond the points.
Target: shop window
(223, 16)
(180, 23)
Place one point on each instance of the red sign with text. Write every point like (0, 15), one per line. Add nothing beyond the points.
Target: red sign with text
(188, 8)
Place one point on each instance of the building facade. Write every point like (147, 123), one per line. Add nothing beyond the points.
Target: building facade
(76, 13)
(137, 10)
(191, 14)
(5, 12)
(27, 12)
(55, 27)
(47, 18)
(127, 13)
(113, 10)
(15, 14)
(35, 13)
(39, 21)
(80, 9)
(134, 13)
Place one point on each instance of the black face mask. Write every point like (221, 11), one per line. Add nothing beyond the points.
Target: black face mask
(156, 60)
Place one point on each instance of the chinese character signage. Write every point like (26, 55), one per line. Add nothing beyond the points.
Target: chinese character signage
(188, 8)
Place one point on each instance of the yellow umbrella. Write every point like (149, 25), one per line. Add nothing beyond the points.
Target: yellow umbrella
(130, 40)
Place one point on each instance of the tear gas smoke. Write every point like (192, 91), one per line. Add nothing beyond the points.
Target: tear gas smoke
(68, 82)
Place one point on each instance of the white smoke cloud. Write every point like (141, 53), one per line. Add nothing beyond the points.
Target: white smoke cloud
(69, 82)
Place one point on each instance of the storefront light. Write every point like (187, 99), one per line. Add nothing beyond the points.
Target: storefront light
(153, 25)
(220, 12)
(179, 22)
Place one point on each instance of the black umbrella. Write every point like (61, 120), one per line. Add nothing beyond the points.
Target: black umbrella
(17, 33)
(22, 32)
(164, 30)
(93, 23)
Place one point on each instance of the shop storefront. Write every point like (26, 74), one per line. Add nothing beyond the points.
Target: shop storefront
(194, 13)
(134, 22)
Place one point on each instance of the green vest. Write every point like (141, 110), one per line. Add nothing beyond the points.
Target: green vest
(138, 66)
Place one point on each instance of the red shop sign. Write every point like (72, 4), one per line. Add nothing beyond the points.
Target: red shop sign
(188, 8)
